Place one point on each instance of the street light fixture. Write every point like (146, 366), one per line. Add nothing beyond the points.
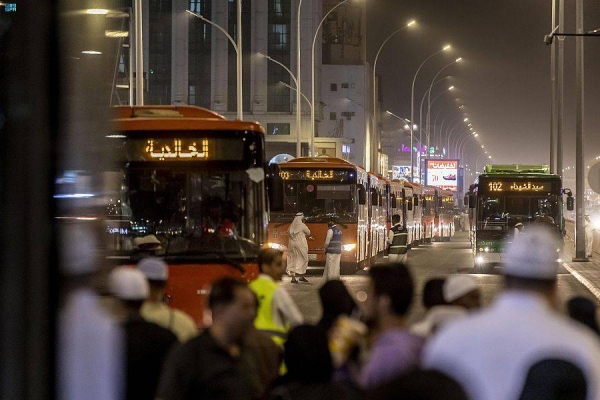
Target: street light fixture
(238, 50)
(374, 120)
(428, 130)
(412, 105)
(298, 94)
(312, 97)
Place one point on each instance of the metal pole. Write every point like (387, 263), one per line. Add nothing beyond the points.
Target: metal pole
(139, 55)
(312, 97)
(299, 88)
(560, 71)
(240, 99)
(130, 57)
(429, 101)
(579, 169)
(553, 83)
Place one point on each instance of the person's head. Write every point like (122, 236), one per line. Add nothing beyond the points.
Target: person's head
(156, 271)
(532, 262)
(554, 379)
(233, 306)
(270, 262)
(433, 294)
(307, 355)
(395, 219)
(389, 293)
(331, 223)
(419, 384)
(583, 309)
(462, 290)
(128, 285)
(336, 301)
(299, 216)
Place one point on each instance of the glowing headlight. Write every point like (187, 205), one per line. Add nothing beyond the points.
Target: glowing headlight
(277, 246)
(486, 249)
(349, 247)
(479, 259)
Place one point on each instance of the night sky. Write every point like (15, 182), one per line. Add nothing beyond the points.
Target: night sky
(504, 81)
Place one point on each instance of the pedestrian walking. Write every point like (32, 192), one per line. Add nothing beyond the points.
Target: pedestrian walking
(209, 365)
(277, 311)
(395, 350)
(518, 330)
(333, 252)
(147, 344)
(297, 261)
(589, 236)
(154, 308)
(397, 241)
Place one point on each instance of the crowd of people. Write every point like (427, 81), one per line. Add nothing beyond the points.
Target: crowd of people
(258, 345)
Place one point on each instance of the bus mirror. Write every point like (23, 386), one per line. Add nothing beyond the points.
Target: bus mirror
(274, 188)
(362, 195)
(471, 201)
(374, 197)
(570, 203)
(409, 205)
(394, 201)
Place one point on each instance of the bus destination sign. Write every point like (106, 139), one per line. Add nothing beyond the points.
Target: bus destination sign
(523, 186)
(177, 148)
(314, 174)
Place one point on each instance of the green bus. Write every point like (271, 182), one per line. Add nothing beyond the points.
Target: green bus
(505, 200)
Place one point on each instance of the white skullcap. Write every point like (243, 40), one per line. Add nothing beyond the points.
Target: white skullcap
(456, 286)
(147, 240)
(128, 284)
(300, 214)
(534, 254)
(154, 268)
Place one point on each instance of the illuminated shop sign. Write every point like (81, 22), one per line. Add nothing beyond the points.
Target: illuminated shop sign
(442, 173)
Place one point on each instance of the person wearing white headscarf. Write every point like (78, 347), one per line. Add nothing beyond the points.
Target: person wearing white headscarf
(297, 260)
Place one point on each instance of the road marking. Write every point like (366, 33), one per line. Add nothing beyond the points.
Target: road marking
(584, 281)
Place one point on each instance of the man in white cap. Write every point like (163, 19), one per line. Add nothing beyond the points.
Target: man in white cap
(463, 291)
(147, 344)
(490, 352)
(155, 310)
(297, 260)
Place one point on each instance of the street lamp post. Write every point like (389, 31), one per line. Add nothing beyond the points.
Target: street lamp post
(412, 106)
(298, 86)
(420, 116)
(312, 97)
(298, 96)
(429, 97)
(374, 128)
(411, 127)
(238, 50)
(295, 90)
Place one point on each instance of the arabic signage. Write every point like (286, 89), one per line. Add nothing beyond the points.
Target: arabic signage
(177, 148)
(401, 172)
(442, 173)
(181, 149)
(316, 175)
(521, 186)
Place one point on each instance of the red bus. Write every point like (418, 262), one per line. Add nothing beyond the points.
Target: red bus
(324, 188)
(189, 188)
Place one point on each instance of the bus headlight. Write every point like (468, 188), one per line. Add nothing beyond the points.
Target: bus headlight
(277, 246)
(349, 246)
(486, 249)
(479, 259)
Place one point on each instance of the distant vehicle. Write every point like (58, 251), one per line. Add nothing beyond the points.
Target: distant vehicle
(505, 195)
(449, 177)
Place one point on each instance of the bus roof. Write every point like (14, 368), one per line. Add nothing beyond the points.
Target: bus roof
(517, 169)
(160, 118)
(318, 162)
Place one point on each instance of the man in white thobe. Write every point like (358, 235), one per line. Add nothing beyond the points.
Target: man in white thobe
(297, 260)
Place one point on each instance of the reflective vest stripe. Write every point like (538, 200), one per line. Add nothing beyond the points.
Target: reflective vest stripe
(400, 240)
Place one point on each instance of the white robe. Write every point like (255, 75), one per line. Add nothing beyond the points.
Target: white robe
(297, 260)
(589, 239)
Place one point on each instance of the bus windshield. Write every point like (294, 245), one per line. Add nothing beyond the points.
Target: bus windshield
(319, 201)
(190, 211)
(496, 211)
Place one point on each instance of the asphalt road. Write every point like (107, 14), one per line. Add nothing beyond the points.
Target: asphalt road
(426, 261)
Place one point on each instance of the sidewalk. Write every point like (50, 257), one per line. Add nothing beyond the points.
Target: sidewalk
(587, 273)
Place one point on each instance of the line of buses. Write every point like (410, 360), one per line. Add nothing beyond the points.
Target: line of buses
(194, 189)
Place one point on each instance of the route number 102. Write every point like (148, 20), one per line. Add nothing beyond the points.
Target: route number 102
(495, 186)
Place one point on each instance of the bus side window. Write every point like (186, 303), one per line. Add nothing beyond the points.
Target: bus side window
(416, 200)
(362, 194)
(409, 205)
(374, 197)
(274, 188)
(393, 198)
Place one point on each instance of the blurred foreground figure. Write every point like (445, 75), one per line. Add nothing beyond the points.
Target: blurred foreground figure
(155, 310)
(395, 350)
(419, 385)
(147, 344)
(554, 380)
(310, 368)
(210, 365)
(490, 352)
(583, 310)
(90, 341)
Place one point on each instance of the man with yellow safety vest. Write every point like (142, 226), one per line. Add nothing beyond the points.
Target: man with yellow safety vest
(277, 312)
(397, 239)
